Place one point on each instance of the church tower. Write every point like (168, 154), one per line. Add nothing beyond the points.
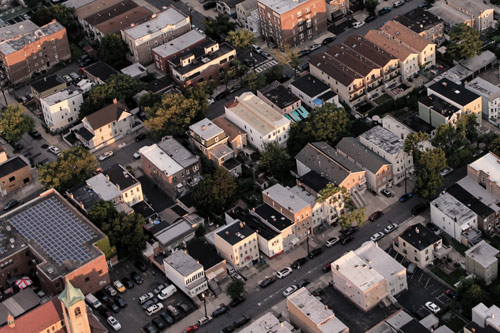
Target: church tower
(74, 309)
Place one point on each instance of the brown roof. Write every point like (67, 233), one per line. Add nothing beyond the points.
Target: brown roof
(106, 115)
(228, 127)
(109, 13)
(352, 59)
(95, 7)
(37, 320)
(331, 66)
(114, 25)
(371, 51)
(406, 35)
(379, 38)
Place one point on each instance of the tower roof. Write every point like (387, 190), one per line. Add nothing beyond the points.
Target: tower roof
(70, 295)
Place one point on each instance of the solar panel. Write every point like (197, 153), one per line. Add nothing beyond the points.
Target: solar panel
(56, 229)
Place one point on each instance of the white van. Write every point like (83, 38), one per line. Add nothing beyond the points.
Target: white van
(92, 301)
(167, 292)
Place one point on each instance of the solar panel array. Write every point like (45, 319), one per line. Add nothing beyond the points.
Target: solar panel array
(56, 229)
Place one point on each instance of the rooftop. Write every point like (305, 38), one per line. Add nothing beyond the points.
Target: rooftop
(406, 35)
(200, 55)
(120, 176)
(263, 230)
(300, 192)
(351, 58)
(160, 159)
(369, 50)
(12, 165)
(206, 129)
(455, 92)
(419, 236)
(474, 204)
(479, 61)
(173, 232)
(379, 260)
(61, 96)
(285, 198)
(47, 83)
(488, 317)
(183, 263)
(279, 95)
(235, 232)
(156, 86)
(110, 12)
(363, 156)
(204, 252)
(94, 7)
(106, 115)
(231, 130)
(273, 217)
(104, 188)
(470, 7)
(314, 180)
(484, 88)
(418, 20)
(44, 315)
(453, 208)
(439, 105)
(159, 21)
(282, 6)
(323, 318)
(490, 164)
(357, 271)
(266, 323)
(143, 208)
(327, 63)
(179, 44)
(255, 112)
(391, 46)
(134, 70)
(178, 152)
(18, 304)
(76, 3)
(479, 192)
(101, 70)
(384, 139)
(84, 195)
(17, 29)
(483, 253)
(310, 85)
(116, 23)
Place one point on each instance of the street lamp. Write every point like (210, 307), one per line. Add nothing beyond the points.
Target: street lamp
(204, 303)
(307, 241)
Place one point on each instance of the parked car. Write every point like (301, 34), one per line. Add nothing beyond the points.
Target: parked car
(183, 306)
(406, 197)
(446, 171)
(384, 10)
(11, 204)
(137, 155)
(149, 328)
(377, 236)
(315, 252)
(158, 323)
(75, 76)
(267, 282)
(146, 297)
(303, 53)
(328, 40)
(119, 286)
(106, 155)
(314, 47)
(331, 242)
(54, 150)
(35, 134)
(209, 5)
(154, 309)
(370, 18)
(398, 3)
(241, 321)
(204, 321)
(113, 306)
(140, 137)
(349, 231)
(451, 293)
(284, 272)
(299, 262)
(157, 288)
(390, 228)
(290, 290)
(267, 55)
(234, 89)
(304, 67)
(102, 296)
(327, 267)
(346, 239)
(432, 307)
(67, 78)
(235, 301)
(419, 208)
(303, 283)
(386, 193)
(358, 24)
(104, 311)
(190, 329)
(222, 95)
(375, 215)
(256, 49)
(110, 290)
(227, 329)
(120, 301)
(166, 318)
(127, 283)
(114, 323)
(220, 311)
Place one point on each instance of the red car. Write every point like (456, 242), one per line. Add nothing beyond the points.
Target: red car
(190, 329)
(375, 215)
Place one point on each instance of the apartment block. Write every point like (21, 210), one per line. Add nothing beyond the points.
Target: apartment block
(115, 24)
(424, 23)
(238, 244)
(27, 49)
(266, 322)
(312, 92)
(278, 222)
(247, 15)
(185, 273)
(486, 318)
(92, 8)
(418, 245)
(259, 121)
(485, 171)
(291, 22)
(213, 264)
(482, 261)
(336, 10)
(477, 14)
(236, 138)
(402, 130)
(490, 97)
(62, 108)
(279, 98)
(163, 27)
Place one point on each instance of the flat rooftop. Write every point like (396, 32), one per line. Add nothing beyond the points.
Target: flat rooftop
(12, 165)
(204, 252)
(12, 45)
(474, 204)
(365, 157)
(418, 20)
(282, 6)
(104, 188)
(178, 152)
(448, 14)
(61, 96)
(279, 95)
(490, 164)
(419, 236)
(160, 159)
(483, 253)
(183, 263)
(206, 129)
(453, 208)
(235, 232)
(384, 139)
(452, 91)
(485, 88)
(379, 260)
(179, 44)
(252, 221)
(273, 217)
(357, 271)
(18, 29)
(439, 105)
(310, 85)
(480, 192)
(120, 176)
(266, 323)
(173, 232)
(159, 21)
(285, 198)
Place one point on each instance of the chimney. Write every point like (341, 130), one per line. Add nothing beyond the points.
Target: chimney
(185, 251)
(417, 230)
(241, 225)
(203, 127)
(227, 233)
(115, 101)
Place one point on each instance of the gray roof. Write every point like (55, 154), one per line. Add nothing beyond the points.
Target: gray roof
(47, 83)
(361, 155)
(18, 29)
(282, 6)
(120, 176)
(483, 253)
(170, 16)
(178, 153)
(16, 44)
(183, 263)
(384, 139)
(310, 85)
(106, 115)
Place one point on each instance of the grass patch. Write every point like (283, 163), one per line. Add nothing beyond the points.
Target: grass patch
(261, 266)
(382, 99)
(108, 250)
(452, 278)
(461, 248)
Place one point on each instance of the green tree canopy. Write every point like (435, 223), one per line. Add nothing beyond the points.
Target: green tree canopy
(31, 3)
(149, 100)
(464, 42)
(254, 81)
(241, 39)
(275, 161)
(219, 27)
(289, 56)
(71, 168)
(357, 215)
(236, 289)
(60, 13)
(215, 192)
(327, 123)
(429, 164)
(14, 122)
(329, 190)
(371, 6)
(494, 146)
(412, 143)
(113, 50)
(274, 73)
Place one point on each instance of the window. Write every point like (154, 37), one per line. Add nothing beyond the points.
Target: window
(11, 179)
(78, 312)
(87, 279)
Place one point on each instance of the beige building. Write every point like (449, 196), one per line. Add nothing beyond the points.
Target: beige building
(161, 28)
(14, 174)
(482, 261)
(426, 24)
(480, 13)
(237, 243)
(486, 172)
(236, 138)
(312, 316)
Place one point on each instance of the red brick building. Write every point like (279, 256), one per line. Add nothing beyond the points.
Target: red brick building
(291, 22)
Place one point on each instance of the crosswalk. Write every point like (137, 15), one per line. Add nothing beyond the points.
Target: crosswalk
(265, 65)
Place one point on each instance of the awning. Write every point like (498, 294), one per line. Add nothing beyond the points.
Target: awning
(24, 282)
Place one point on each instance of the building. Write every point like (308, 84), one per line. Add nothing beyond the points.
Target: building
(378, 170)
(14, 174)
(170, 237)
(268, 322)
(400, 322)
(47, 86)
(446, 101)
(278, 222)
(171, 166)
(201, 63)
(479, 15)
(62, 108)
(259, 121)
(99, 72)
(279, 98)
(450, 16)
(424, 23)
(236, 138)
(490, 97)
(336, 10)
(408, 59)
(161, 28)
(244, 9)
(92, 8)
(105, 126)
(367, 275)
(291, 22)
(27, 49)
(390, 147)
(213, 264)
(119, 20)
(485, 171)
(486, 318)
(227, 7)
(238, 244)
(402, 130)
(425, 48)
(452, 216)
(312, 316)
(163, 53)
(418, 245)
(479, 192)
(186, 273)
(312, 92)
(29, 245)
(482, 261)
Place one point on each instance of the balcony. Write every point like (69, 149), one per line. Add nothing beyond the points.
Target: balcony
(373, 86)
(355, 89)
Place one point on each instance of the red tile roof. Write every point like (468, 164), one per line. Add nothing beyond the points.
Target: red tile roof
(38, 319)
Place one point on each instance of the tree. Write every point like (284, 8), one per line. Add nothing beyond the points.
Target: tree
(215, 192)
(275, 160)
(241, 40)
(41, 16)
(327, 123)
(289, 56)
(412, 143)
(60, 13)
(494, 146)
(149, 100)
(101, 211)
(464, 42)
(14, 122)
(429, 180)
(347, 219)
(31, 3)
(113, 50)
(71, 168)
(371, 6)
(329, 190)
(200, 231)
(466, 126)
(219, 27)
(236, 289)
(254, 81)
(274, 73)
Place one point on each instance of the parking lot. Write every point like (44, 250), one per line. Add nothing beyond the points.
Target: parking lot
(132, 318)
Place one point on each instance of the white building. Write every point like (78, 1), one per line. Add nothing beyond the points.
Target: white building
(490, 96)
(484, 316)
(390, 147)
(452, 216)
(401, 130)
(62, 108)
(482, 261)
(268, 323)
(260, 121)
(186, 273)
(237, 243)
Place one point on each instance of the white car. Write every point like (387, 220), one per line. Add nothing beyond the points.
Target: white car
(314, 47)
(154, 309)
(290, 290)
(137, 155)
(54, 150)
(446, 171)
(377, 236)
(106, 155)
(390, 228)
(114, 323)
(331, 242)
(398, 3)
(432, 307)
(284, 272)
(256, 49)
(358, 24)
